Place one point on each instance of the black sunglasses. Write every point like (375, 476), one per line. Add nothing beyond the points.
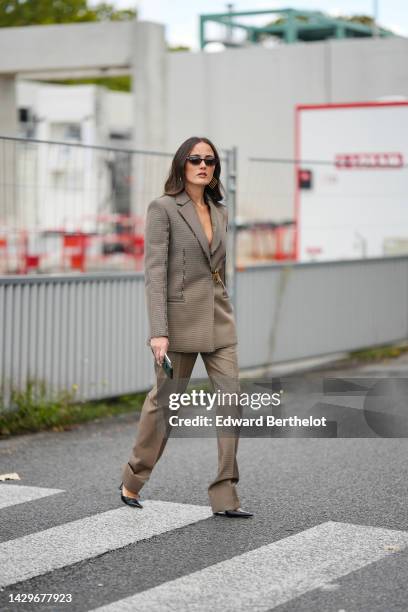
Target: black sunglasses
(196, 160)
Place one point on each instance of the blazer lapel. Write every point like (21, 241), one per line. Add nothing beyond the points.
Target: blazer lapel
(187, 210)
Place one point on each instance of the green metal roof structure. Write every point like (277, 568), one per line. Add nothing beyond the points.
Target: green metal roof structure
(293, 26)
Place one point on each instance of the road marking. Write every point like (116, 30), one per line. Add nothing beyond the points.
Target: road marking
(270, 575)
(12, 494)
(86, 538)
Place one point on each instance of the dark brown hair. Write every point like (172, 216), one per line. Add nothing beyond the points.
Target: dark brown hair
(175, 182)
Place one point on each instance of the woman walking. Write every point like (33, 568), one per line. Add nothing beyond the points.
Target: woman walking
(189, 312)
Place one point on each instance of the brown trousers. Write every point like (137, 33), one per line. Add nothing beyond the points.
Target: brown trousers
(154, 428)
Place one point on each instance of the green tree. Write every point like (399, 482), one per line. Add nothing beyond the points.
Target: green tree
(366, 20)
(42, 12)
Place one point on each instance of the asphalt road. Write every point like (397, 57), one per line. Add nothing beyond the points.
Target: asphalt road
(330, 531)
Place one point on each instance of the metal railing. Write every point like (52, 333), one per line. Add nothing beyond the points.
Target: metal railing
(88, 332)
(349, 207)
(66, 206)
(71, 207)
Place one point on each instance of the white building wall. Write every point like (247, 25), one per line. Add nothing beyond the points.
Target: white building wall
(71, 184)
(358, 207)
(246, 97)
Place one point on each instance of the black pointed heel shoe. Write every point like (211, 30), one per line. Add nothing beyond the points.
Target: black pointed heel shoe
(238, 513)
(130, 501)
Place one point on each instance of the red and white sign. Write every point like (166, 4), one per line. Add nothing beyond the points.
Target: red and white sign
(357, 204)
(369, 160)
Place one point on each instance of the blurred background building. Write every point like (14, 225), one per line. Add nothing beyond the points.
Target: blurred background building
(309, 113)
(76, 114)
(105, 154)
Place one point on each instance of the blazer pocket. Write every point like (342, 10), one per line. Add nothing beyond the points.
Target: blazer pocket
(176, 299)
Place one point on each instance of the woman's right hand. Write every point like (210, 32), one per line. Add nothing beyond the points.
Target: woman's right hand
(159, 346)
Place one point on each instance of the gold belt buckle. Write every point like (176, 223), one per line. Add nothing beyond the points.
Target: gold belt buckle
(216, 276)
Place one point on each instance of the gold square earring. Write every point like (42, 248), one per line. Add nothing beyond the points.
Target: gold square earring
(213, 182)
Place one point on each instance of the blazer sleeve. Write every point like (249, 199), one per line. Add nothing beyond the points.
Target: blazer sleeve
(157, 233)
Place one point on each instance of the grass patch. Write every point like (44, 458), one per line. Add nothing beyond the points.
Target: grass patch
(379, 353)
(34, 410)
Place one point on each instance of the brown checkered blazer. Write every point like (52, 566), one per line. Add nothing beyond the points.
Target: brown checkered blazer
(180, 289)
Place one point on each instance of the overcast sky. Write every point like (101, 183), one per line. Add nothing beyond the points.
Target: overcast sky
(181, 16)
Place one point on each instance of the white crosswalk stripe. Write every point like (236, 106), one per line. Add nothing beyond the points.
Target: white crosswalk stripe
(271, 575)
(86, 538)
(260, 579)
(12, 494)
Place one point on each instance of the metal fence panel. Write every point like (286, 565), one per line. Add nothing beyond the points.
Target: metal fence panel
(85, 331)
(90, 330)
(67, 206)
(295, 311)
